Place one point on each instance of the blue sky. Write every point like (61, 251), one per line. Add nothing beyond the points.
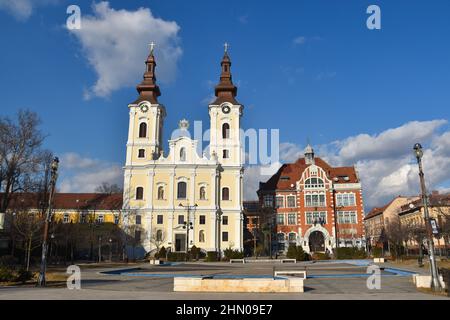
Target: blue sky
(309, 68)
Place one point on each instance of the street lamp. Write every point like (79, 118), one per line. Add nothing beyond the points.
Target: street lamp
(99, 249)
(188, 226)
(436, 286)
(110, 249)
(48, 218)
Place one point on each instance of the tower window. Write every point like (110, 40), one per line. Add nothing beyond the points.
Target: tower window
(139, 193)
(181, 194)
(141, 153)
(225, 131)
(225, 193)
(226, 154)
(160, 193)
(143, 130)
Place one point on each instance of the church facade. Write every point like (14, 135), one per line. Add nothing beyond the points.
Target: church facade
(180, 198)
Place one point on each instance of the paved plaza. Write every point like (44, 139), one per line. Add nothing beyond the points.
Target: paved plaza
(327, 280)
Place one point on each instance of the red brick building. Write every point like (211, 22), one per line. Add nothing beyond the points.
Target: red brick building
(315, 203)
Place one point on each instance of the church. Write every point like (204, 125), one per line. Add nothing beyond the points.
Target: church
(178, 198)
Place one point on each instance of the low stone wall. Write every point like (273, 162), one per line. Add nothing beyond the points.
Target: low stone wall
(238, 285)
(424, 281)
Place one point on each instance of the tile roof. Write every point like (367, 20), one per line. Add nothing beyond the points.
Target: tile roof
(293, 171)
(433, 200)
(80, 201)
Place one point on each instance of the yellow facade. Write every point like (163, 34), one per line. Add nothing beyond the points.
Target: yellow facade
(168, 188)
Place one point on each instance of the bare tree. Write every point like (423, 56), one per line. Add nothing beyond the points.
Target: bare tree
(29, 225)
(397, 235)
(108, 188)
(20, 154)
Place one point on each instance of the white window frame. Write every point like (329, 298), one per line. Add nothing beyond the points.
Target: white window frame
(311, 215)
(282, 201)
(287, 201)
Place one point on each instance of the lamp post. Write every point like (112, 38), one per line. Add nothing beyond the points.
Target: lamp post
(99, 249)
(110, 249)
(188, 225)
(54, 176)
(436, 286)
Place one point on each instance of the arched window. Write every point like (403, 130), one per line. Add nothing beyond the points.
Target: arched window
(159, 235)
(314, 183)
(160, 193)
(182, 154)
(141, 153)
(143, 130)
(201, 236)
(225, 193)
(280, 237)
(202, 193)
(139, 193)
(225, 131)
(181, 192)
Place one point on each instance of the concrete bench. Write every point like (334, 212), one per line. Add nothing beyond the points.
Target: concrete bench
(294, 273)
(424, 281)
(288, 261)
(237, 260)
(186, 284)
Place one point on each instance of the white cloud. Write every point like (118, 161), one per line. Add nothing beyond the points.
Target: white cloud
(73, 160)
(23, 9)
(385, 161)
(299, 40)
(84, 174)
(115, 42)
(325, 75)
(390, 143)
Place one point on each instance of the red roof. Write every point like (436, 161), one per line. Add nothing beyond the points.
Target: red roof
(79, 201)
(377, 211)
(290, 173)
(434, 200)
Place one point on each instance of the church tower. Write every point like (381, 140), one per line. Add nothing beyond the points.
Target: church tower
(225, 116)
(225, 143)
(146, 119)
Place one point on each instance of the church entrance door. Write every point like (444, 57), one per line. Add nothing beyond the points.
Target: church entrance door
(316, 242)
(180, 242)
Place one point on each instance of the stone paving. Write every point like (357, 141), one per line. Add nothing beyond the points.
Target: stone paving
(156, 282)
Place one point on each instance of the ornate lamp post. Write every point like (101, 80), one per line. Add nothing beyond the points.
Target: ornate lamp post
(436, 286)
(54, 176)
(188, 225)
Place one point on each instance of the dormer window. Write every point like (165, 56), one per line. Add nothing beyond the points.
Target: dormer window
(314, 183)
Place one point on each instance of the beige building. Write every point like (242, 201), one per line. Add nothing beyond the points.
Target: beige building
(412, 214)
(183, 197)
(376, 220)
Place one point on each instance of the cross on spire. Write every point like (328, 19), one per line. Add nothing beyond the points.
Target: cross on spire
(152, 46)
(226, 45)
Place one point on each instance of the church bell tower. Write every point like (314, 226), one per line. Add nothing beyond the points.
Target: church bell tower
(146, 118)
